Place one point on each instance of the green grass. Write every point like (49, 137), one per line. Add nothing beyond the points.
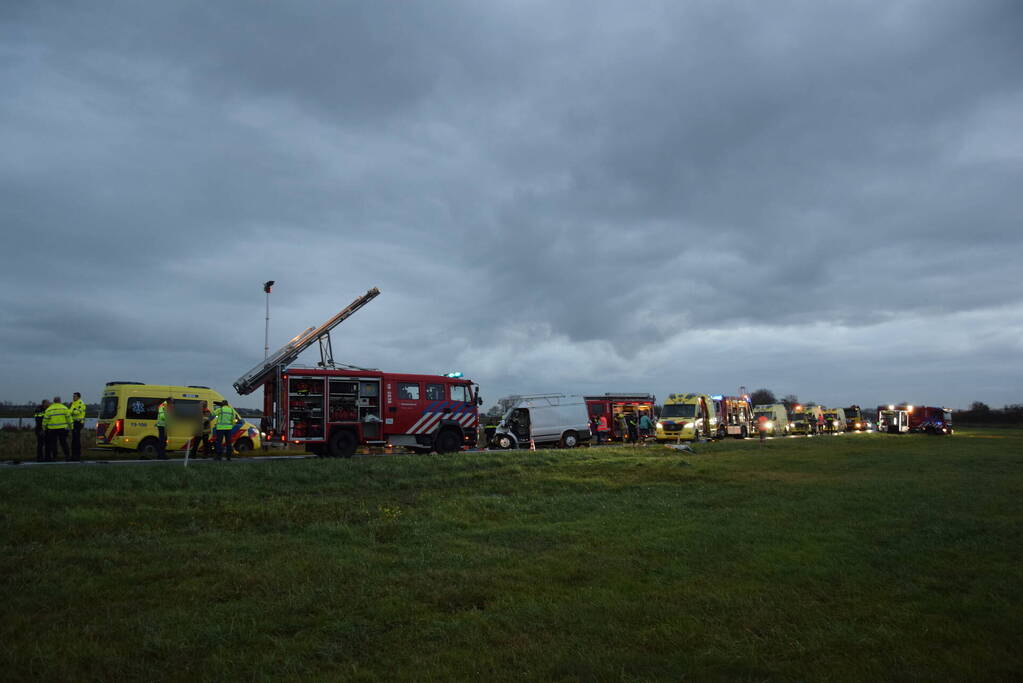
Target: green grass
(860, 557)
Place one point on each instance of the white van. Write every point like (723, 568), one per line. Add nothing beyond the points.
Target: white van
(547, 419)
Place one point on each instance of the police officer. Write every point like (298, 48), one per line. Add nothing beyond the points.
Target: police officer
(40, 432)
(161, 429)
(224, 417)
(77, 409)
(56, 422)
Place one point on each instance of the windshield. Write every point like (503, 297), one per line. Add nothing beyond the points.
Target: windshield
(679, 410)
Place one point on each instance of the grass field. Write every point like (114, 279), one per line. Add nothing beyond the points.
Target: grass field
(858, 557)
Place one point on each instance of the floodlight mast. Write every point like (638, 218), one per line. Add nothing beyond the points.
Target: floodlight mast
(274, 365)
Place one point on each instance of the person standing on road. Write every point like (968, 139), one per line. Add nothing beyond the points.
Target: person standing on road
(201, 435)
(161, 429)
(633, 427)
(603, 430)
(77, 409)
(56, 422)
(40, 431)
(646, 427)
(224, 417)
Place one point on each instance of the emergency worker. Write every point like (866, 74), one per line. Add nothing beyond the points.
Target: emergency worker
(224, 417)
(603, 430)
(762, 427)
(40, 432)
(633, 428)
(646, 426)
(77, 409)
(161, 429)
(56, 422)
(623, 427)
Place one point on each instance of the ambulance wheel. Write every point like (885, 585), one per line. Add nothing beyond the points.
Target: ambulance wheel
(149, 448)
(342, 444)
(569, 440)
(243, 446)
(447, 441)
(504, 442)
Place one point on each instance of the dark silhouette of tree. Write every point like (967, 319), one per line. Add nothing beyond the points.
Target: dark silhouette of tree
(790, 400)
(762, 397)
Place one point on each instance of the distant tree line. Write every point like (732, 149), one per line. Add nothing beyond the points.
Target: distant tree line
(981, 414)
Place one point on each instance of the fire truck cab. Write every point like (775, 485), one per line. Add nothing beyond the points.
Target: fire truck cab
(333, 411)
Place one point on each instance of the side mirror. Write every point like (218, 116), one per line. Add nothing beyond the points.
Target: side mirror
(479, 401)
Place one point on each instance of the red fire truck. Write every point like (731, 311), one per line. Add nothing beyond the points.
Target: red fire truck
(331, 410)
(611, 405)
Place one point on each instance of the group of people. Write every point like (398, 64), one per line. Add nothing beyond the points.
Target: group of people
(54, 422)
(220, 422)
(633, 428)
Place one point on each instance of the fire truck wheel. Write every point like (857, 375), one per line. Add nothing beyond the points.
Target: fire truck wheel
(569, 440)
(447, 441)
(721, 432)
(342, 444)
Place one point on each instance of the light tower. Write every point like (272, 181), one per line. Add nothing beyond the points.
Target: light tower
(267, 287)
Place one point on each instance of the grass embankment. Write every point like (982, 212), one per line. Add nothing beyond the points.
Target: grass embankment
(857, 557)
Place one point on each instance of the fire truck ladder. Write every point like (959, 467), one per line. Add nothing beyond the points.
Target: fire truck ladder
(272, 367)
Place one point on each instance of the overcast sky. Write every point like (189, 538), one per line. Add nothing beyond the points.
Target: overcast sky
(820, 198)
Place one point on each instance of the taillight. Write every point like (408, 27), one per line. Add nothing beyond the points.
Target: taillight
(118, 428)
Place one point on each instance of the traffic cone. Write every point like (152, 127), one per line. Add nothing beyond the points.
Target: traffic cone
(532, 444)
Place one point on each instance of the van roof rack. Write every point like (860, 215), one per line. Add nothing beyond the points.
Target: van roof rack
(196, 386)
(110, 384)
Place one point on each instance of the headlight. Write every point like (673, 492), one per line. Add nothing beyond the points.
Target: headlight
(792, 425)
(660, 425)
(835, 423)
(858, 425)
(768, 425)
(688, 425)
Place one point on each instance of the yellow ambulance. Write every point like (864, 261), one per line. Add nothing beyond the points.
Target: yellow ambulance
(686, 417)
(127, 418)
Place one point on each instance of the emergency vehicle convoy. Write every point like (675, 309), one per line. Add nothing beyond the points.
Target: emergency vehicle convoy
(334, 408)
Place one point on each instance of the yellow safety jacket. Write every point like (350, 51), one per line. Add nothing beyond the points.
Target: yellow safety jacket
(224, 417)
(57, 416)
(161, 415)
(77, 409)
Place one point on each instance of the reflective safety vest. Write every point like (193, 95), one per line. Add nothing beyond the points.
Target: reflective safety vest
(602, 424)
(161, 415)
(39, 420)
(224, 417)
(57, 416)
(77, 410)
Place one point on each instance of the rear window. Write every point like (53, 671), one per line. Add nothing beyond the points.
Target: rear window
(108, 409)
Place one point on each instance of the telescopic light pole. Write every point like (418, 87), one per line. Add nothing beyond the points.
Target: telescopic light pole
(267, 287)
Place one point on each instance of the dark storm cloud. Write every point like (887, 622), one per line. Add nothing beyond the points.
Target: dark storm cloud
(579, 195)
